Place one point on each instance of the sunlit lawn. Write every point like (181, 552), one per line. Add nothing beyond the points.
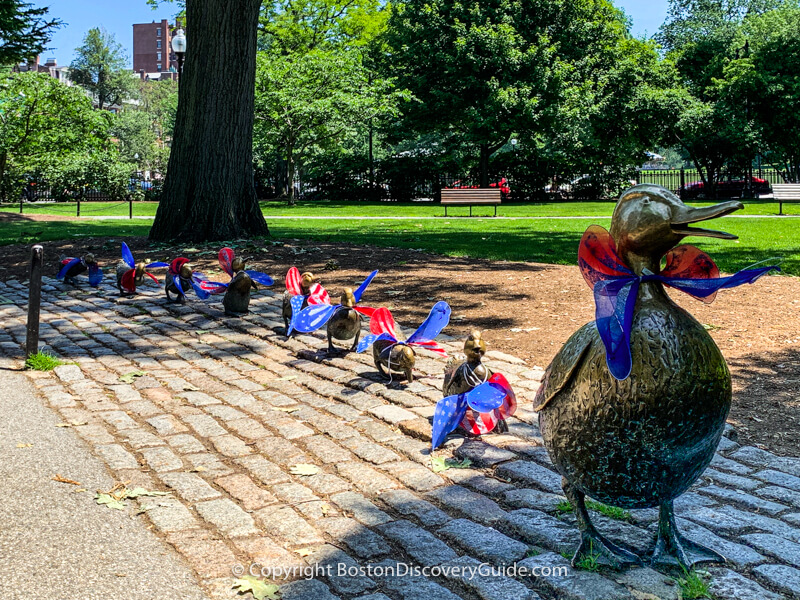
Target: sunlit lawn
(380, 209)
(541, 240)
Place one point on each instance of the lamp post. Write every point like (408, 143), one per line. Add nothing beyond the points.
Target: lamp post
(179, 48)
(514, 142)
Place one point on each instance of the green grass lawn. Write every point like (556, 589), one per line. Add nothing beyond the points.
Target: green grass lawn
(382, 209)
(547, 241)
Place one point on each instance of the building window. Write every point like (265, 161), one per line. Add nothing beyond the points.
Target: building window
(159, 67)
(158, 32)
(158, 55)
(158, 44)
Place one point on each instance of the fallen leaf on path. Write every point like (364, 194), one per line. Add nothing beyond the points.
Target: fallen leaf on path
(287, 409)
(109, 500)
(24, 445)
(287, 378)
(304, 469)
(129, 377)
(202, 331)
(259, 588)
(304, 551)
(72, 424)
(439, 464)
(199, 469)
(62, 479)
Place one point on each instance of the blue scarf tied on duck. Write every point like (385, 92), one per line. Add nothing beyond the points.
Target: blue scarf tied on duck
(616, 288)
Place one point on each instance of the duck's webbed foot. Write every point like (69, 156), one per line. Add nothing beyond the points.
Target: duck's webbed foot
(673, 549)
(594, 546)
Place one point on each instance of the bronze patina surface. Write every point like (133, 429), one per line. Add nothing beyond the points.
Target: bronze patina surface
(237, 297)
(640, 442)
(306, 280)
(396, 357)
(345, 323)
(461, 376)
(79, 268)
(138, 277)
(185, 278)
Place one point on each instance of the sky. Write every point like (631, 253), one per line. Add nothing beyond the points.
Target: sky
(118, 18)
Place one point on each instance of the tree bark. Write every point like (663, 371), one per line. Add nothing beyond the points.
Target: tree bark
(209, 192)
(484, 166)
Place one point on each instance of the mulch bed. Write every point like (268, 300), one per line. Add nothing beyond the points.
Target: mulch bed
(526, 309)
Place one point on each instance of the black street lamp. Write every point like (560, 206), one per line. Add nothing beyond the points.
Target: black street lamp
(179, 48)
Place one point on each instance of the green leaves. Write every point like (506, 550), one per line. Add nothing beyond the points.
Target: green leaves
(259, 588)
(439, 464)
(129, 377)
(115, 497)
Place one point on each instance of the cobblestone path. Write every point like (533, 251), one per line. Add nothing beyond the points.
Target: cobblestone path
(228, 406)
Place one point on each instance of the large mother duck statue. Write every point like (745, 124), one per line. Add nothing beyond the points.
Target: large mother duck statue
(633, 406)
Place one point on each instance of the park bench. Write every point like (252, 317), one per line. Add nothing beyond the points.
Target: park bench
(785, 192)
(470, 197)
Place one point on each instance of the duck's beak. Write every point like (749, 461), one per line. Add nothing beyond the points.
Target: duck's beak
(684, 215)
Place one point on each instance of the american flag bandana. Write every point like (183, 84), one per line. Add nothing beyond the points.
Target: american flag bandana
(477, 410)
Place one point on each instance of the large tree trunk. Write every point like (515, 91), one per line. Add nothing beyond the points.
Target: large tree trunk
(209, 192)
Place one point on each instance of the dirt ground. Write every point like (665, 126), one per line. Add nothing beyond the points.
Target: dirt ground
(526, 309)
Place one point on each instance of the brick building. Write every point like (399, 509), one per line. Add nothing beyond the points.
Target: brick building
(152, 51)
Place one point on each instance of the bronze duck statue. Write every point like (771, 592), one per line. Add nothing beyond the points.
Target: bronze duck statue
(130, 274)
(397, 355)
(72, 267)
(345, 323)
(178, 280)
(639, 437)
(394, 357)
(237, 293)
(303, 289)
(462, 376)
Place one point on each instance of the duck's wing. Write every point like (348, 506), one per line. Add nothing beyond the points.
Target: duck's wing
(565, 364)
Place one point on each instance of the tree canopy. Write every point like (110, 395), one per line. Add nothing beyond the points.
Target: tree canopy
(100, 68)
(41, 121)
(25, 31)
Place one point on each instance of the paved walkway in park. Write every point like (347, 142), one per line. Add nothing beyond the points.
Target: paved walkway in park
(221, 410)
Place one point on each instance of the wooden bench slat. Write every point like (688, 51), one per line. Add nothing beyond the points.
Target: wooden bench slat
(470, 197)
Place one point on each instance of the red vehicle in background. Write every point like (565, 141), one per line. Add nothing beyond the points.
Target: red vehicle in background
(732, 188)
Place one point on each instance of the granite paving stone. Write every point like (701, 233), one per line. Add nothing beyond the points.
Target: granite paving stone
(729, 585)
(468, 503)
(341, 570)
(482, 542)
(394, 578)
(361, 509)
(422, 546)
(486, 584)
(782, 577)
(532, 475)
(221, 416)
(576, 584)
(354, 535)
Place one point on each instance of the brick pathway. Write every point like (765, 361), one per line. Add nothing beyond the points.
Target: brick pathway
(227, 407)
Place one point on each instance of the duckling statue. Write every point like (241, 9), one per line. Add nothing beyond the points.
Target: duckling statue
(399, 356)
(72, 267)
(181, 277)
(301, 290)
(130, 274)
(237, 293)
(461, 377)
(345, 323)
(344, 320)
(633, 406)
